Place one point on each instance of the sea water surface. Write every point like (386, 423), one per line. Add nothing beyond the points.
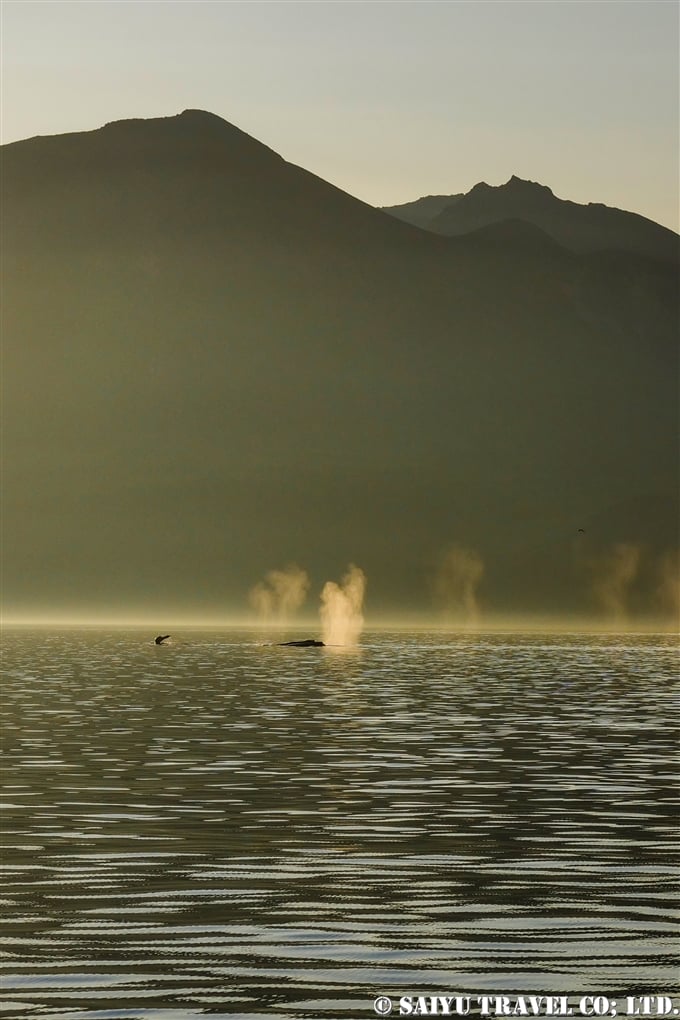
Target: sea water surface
(224, 828)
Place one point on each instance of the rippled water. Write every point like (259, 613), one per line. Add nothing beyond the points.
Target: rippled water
(221, 828)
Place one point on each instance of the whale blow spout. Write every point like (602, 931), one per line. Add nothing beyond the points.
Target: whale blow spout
(342, 619)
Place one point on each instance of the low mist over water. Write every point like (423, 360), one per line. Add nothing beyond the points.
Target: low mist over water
(219, 827)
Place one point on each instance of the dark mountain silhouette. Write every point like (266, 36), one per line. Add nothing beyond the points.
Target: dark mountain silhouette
(216, 363)
(422, 211)
(581, 228)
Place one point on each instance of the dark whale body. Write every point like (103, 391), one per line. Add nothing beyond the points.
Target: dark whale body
(309, 643)
(161, 638)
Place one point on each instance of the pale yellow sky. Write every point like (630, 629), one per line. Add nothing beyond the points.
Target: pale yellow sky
(387, 100)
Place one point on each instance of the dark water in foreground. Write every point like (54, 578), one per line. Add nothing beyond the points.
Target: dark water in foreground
(220, 828)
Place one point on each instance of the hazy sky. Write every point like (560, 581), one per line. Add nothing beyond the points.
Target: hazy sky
(387, 100)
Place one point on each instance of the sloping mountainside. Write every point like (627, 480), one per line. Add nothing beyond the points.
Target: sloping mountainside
(581, 228)
(423, 211)
(215, 364)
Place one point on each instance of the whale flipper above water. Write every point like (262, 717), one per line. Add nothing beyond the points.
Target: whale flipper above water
(161, 638)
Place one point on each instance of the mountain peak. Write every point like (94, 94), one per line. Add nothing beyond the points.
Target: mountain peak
(189, 116)
(197, 123)
(515, 187)
(580, 228)
(522, 186)
(145, 143)
(201, 115)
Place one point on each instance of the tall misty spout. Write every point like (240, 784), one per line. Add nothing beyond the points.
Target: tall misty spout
(668, 587)
(341, 608)
(613, 575)
(280, 594)
(458, 575)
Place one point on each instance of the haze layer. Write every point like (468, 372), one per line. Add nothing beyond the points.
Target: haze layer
(216, 364)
